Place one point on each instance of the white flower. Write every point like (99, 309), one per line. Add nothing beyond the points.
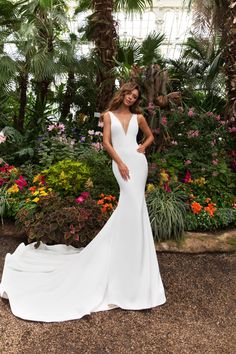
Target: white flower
(100, 124)
(3, 138)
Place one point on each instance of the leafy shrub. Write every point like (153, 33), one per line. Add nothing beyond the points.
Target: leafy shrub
(223, 218)
(101, 172)
(67, 177)
(61, 220)
(166, 212)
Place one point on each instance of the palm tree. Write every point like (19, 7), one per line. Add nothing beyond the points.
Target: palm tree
(219, 17)
(102, 31)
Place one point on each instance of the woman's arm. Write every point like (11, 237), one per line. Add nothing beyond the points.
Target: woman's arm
(147, 132)
(124, 171)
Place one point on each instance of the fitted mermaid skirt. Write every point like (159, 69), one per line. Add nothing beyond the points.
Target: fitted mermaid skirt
(118, 268)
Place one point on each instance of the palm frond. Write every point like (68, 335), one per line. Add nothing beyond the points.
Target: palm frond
(131, 6)
(150, 48)
(128, 52)
(7, 69)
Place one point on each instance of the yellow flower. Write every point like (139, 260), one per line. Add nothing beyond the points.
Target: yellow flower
(164, 176)
(150, 187)
(27, 200)
(13, 189)
(62, 175)
(35, 200)
(89, 183)
(37, 178)
(14, 170)
(36, 193)
(199, 181)
(43, 193)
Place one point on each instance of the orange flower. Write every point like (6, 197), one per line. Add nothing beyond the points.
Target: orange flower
(210, 209)
(100, 201)
(207, 200)
(196, 207)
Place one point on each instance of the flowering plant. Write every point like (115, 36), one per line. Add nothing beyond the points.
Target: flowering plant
(107, 203)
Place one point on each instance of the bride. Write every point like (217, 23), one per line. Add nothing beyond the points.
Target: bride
(119, 267)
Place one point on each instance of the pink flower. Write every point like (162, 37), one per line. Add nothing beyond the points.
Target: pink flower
(21, 182)
(90, 132)
(79, 200)
(209, 114)
(164, 120)
(217, 117)
(191, 112)
(213, 142)
(215, 162)
(166, 187)
(97, 146)
(187, 162)
(232, 130)
(187, 177)
(222, 122)
(84, 195)
(193, 133)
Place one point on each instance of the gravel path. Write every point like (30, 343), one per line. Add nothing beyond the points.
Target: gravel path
(199, 316)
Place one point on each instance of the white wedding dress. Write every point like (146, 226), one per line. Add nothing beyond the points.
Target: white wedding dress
(118, 268)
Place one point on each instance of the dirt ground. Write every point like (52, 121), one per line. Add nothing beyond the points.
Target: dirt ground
(199, 316)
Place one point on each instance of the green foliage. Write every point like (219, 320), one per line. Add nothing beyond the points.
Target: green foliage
(67, 177)
(58, 220)
(55, 148)
(222, 219)
(101, 172)
(167, 212)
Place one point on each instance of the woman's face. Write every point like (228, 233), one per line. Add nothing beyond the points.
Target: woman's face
(131, 97)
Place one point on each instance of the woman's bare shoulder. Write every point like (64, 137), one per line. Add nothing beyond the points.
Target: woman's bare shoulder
(106, 116)
(140, 118)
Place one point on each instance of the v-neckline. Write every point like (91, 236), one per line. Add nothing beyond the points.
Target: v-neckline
(125, 132)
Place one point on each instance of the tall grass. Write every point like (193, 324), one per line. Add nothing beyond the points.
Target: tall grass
(166, 212)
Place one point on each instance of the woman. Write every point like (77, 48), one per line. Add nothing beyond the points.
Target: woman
(118, 268)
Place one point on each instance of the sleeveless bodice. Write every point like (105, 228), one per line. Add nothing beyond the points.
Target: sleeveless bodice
(121, 140)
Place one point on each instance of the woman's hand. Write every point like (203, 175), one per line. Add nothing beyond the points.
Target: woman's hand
(124, 171)
(141, 149)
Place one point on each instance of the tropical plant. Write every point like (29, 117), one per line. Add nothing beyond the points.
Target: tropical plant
(218, 16)
(58, 220)
(166, 212)
(67, 177)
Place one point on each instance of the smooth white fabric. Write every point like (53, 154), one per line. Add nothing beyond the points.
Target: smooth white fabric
(118, 268)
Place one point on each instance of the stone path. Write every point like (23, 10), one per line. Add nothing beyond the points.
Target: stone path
(199, 316)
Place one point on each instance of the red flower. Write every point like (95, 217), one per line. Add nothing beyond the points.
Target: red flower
(21, 182)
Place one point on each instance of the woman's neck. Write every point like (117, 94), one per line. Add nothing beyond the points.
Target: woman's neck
(123, 109)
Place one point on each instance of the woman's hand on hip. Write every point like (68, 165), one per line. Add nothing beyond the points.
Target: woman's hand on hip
(124, 171)
(141, 149)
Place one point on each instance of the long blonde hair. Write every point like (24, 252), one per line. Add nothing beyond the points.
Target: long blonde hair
(118, 98)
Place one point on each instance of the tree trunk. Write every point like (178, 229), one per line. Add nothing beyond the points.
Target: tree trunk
(69, 95)
(104, 36)
(230, 61)
(23, 83)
